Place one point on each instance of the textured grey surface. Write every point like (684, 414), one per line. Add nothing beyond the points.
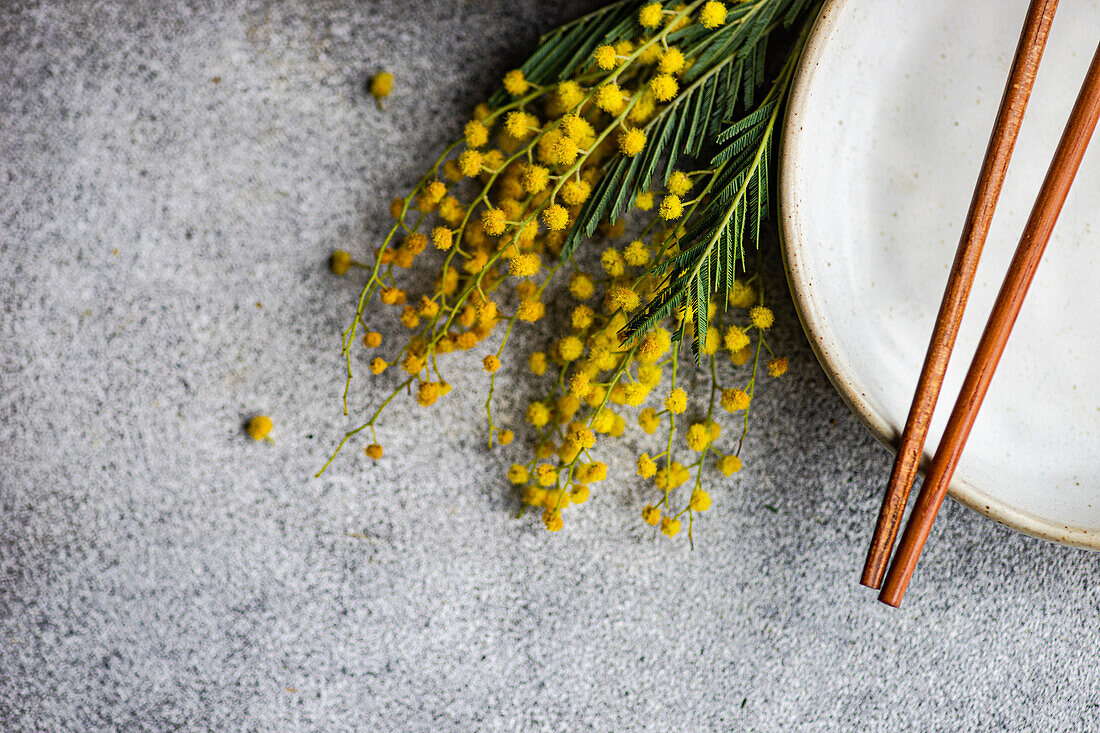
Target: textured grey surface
(159, 571)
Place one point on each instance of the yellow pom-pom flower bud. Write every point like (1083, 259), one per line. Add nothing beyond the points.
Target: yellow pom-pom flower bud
(698, 437)
(409, 317)
(517, 474)
(490, 363)
(575, 192)
(604, 422)
(613, 263)
(631, 142)
(544, 151)
(569, 94)
(525, 265)
(663, 87)
(642, 111)
(451, 171)
(340, 262)
(536, 362)
(622, 298)
(493, 221)
(552, 520)
(729, 465)
(469, 163)
(594, 472)
(415, 243)
(676, 402)
(373, 451)
(381, 84)
(679, 183)
(777, 367)
(427, 393)
(671, 207)
(613, 231)
(735, 339)
(427, 307)
(515, 124)
(699, 501)
(493, 160)
(534, 178)
(650, 15)
(581, 286)
(672, 61)
(742, 357)
(259, 427)
(648, 420)
(546, 475)
(538, 414)
(646, 467)
(475, 134)
(711, 341)
(555, 217)
(514, 83)
(570, 348)
(582, 434)
(649, 375)
(576, 127)
(512, 209)
(604, 57)
(530, 311)
(533, 495)
(670, 527)
(743, 295)
(651, 54)
(636, 253)
(442, 238)
(713, 15)
(735, 399)
(564, 151)
(392, 296)
(567, 407)
(581, 318)
(609, 98)
(761, 317)
(634, 394)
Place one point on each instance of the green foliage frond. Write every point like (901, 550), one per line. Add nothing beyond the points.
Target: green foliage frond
(714, 242)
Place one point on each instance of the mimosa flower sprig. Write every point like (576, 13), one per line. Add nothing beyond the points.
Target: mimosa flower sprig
(611, 114)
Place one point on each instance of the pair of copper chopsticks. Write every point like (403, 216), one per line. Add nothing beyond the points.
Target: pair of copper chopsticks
(1037, 232)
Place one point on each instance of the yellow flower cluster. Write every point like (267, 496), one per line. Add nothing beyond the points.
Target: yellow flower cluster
(494, 212)
(593, 379)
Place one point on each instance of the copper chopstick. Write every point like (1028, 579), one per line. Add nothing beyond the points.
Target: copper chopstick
(1021, 78)
(1040, 224)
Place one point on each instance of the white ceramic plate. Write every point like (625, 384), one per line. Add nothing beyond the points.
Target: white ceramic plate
(888, 122)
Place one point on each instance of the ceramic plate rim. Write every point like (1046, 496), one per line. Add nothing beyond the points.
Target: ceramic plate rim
(818, 331)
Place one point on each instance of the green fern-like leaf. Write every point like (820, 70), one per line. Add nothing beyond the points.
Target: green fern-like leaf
(714, 242)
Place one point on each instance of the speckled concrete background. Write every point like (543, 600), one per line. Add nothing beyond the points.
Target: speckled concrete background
(160, 571)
